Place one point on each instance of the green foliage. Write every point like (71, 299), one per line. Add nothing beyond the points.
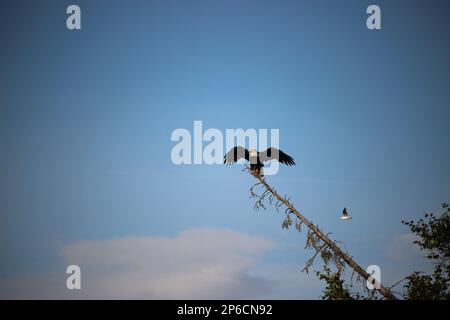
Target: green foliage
(434, 240)
(427, 287)
(334, 289)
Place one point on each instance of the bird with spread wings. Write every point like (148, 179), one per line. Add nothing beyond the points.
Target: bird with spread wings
(257, 159)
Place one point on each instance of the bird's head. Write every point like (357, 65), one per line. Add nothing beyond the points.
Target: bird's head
(253, 153)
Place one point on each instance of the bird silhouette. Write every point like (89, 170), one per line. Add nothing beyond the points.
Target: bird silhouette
(257, 159)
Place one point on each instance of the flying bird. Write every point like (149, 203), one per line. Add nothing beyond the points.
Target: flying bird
(345, 215)
(256, 158)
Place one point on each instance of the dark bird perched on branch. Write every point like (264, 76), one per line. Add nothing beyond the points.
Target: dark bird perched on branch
(257, 159)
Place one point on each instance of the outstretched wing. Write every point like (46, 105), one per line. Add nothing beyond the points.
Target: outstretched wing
(235, 154)
(274, 153)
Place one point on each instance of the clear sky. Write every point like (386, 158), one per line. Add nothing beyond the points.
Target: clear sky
(86, 118)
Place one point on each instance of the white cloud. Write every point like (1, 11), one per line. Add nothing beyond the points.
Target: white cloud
(196, 264)
(403, 249)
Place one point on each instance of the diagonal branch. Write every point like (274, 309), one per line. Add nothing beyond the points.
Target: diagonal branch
(317, 232)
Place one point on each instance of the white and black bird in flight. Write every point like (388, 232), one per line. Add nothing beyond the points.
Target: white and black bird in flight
(257, 159)
(345, 215)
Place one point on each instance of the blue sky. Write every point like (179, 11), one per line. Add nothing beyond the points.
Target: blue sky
(86, 118)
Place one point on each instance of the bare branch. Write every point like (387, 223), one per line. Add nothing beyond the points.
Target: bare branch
(316, 239)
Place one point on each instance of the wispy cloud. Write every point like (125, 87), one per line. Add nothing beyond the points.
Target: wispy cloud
(403, 249)
(196, 264)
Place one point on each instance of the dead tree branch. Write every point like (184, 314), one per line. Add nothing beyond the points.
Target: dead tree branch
(329, 250)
